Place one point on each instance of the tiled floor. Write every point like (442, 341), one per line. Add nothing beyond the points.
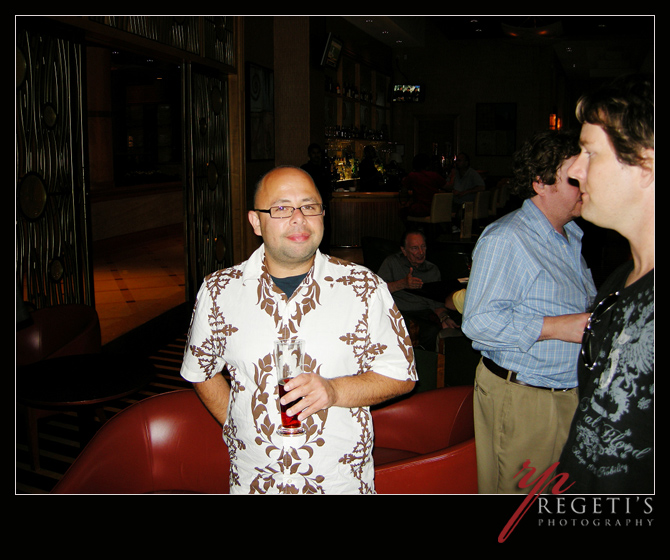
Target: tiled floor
(138, 277)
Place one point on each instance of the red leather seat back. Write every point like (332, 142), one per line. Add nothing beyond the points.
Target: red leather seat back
(450, 471)
(426, 422)
(170, 443)
(166, 443)
(425, 444)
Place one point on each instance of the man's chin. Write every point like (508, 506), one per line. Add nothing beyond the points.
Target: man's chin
(300, 251)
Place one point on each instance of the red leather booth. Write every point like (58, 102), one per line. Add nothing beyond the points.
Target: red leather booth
(169, 443)
(425, 444)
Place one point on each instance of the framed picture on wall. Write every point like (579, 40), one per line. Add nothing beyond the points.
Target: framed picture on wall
(260, 113)
(496, 129)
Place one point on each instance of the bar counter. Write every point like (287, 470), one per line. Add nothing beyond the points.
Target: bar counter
(355, 215)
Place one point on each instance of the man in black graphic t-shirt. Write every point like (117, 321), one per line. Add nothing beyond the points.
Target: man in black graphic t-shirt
(610, 446)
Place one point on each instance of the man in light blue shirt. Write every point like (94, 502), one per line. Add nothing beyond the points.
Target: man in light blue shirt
(525, 310)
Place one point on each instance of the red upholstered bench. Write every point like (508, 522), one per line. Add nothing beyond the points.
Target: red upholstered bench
(169, 443)
(424, 444)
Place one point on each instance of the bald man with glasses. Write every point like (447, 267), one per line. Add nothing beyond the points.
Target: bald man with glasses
(356, 345)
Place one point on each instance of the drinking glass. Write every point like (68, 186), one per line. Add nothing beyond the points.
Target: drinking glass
(289, 360)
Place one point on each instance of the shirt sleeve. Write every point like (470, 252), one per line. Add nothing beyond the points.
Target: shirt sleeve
(201, 359)
(389, 351)
(498, 282)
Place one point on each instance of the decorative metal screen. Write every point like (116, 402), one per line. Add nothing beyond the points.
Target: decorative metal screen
(52, 263)
(52, 240)
(208, 189)
(182, 32)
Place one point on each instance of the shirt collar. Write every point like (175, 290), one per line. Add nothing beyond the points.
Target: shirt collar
(255, 266)
(543, 226)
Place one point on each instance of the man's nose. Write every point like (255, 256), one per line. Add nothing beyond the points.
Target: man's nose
(576, 170)
(297, 215)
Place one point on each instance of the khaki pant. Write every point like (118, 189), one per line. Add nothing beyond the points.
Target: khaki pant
(514, 424)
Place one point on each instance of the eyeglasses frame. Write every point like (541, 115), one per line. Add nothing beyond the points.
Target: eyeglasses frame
(294, 208)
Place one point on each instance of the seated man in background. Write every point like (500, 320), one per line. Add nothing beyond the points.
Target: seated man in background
(418, 289)
(464, 181)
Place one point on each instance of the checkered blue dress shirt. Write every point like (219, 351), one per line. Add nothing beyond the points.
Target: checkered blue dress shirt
(522, 271)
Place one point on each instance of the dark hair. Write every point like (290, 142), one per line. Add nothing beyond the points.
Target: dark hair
(625, 111)
(541, 157)
(407, 232)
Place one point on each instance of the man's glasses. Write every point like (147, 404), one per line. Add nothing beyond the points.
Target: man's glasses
(603, 307)
(287, 211)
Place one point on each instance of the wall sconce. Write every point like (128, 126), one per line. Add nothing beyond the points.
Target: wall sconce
(552, 121)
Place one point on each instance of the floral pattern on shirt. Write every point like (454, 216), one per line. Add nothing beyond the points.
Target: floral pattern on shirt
(349, 322)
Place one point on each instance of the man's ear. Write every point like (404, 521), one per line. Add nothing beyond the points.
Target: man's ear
(648, 168)
(539, 186)
(255, 222)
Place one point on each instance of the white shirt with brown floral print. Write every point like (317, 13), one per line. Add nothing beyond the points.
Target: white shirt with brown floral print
(350, 325)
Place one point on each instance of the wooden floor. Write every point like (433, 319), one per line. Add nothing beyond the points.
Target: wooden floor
(139, 277)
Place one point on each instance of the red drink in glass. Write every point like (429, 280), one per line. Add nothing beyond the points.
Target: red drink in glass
(290, 422)
(289, 360)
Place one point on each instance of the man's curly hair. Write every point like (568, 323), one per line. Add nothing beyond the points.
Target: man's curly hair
(540, 158)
